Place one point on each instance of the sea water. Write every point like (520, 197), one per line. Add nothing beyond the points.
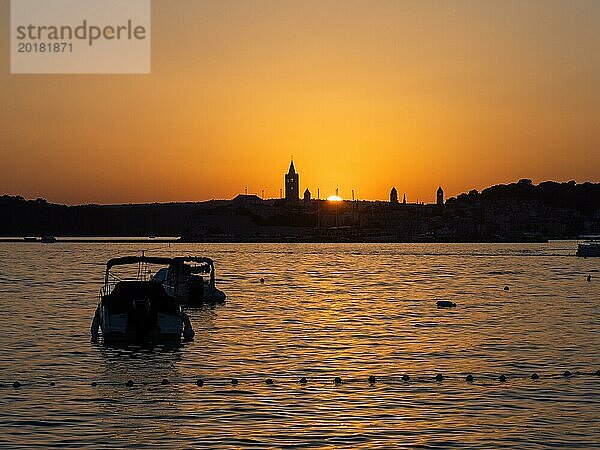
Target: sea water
(323, 311)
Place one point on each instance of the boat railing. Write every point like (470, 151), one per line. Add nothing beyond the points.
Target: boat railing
(110, 286)
(107, 289)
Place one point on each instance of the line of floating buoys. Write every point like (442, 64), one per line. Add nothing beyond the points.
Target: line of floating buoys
(372, 379)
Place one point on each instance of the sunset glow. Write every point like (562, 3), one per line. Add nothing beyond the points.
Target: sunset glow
(334, 198)
(364, 95)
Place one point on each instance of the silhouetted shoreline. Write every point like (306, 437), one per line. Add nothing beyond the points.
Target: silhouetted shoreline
(102, 240)
(517, 212)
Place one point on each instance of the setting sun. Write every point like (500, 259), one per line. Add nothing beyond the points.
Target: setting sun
(334, 198)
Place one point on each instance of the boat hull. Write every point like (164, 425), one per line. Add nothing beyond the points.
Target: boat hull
(142, 312)
(588, 250)
(125, 327)
(210, 296)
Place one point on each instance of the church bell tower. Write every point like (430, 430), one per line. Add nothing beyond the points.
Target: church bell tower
(292, 185)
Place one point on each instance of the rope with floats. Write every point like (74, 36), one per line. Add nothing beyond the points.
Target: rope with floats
(371, 380)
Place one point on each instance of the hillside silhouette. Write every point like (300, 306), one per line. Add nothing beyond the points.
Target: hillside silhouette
(520, 211)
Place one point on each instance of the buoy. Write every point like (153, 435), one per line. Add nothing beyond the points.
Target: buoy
(589, 278)
(439, 377)
(445, 304)
(234, 382)
(535, 376)
(337, 380)
(598, 373)
(129, 383)
(566, 373)
(262, 280)
(506, 288)
(17, 385)
(502, 378)
(199, 382)
(405, 377)
(303, 380)
(94, 384)
(269, 381)
(469, 378)
(52, 383)
(372, 379)
(164, 381)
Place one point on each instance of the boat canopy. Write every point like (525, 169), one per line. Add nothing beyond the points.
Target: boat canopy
(175, 262)
(156, 260)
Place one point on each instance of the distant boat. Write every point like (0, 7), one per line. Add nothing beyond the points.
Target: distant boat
(30, 239)
(151, 237)
(589, 249)
(47, 239)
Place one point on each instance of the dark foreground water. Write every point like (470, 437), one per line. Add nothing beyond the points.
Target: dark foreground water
(324, 311)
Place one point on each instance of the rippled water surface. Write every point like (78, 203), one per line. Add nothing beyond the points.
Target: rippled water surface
(324, 311)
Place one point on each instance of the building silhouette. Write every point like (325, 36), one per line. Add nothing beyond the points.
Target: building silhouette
(292, 185)
(440, 196)
(404, 199)
(307, 196)
(394, 196)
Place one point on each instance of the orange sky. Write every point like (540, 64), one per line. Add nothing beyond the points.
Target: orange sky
(365, 95)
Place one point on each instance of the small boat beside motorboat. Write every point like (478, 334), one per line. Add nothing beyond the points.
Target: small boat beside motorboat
(589, 249)
(183, 279)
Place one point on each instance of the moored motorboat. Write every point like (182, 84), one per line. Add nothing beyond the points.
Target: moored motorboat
(138, 309)
(183, 279)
